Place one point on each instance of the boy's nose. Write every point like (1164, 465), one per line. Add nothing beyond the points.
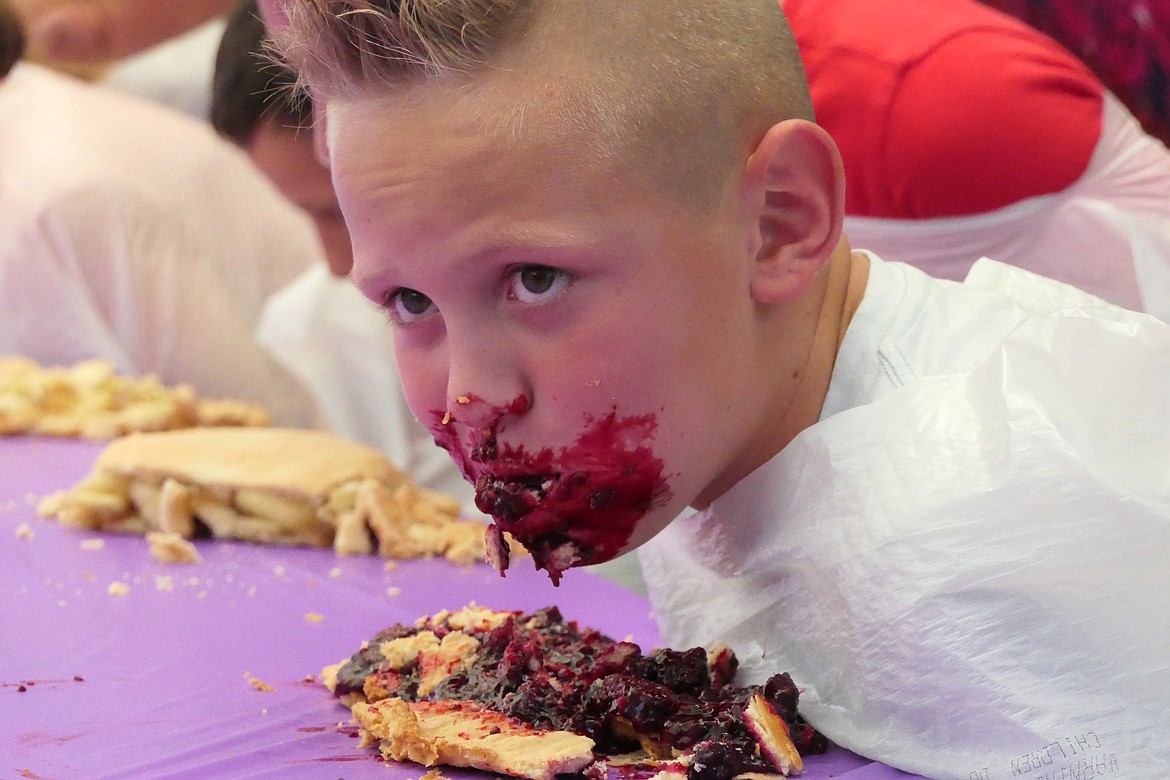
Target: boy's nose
(477, 412)
(483, 388)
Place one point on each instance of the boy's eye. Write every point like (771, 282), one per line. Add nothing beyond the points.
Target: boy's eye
(536, 284)
(406, 305)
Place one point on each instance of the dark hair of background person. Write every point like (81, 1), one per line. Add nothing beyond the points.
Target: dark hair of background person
(12, 39)
(248, 87)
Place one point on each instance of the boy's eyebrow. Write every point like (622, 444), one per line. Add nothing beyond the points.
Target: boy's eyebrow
(528, 242)
(522, 241)
(514, 244)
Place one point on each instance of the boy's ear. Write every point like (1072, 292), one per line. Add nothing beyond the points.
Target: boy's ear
(794, 205)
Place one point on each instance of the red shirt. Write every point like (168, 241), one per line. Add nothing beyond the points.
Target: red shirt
(944, 107)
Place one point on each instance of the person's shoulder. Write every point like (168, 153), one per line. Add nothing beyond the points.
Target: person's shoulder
(316, 299)
(98, 131)
(147, 127)
(59, 173)
(1035, 294)
(992, 292)
(920, 326)
(137, 150)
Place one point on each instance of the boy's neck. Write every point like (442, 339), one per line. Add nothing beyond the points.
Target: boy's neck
(804, 379)
(844, 286)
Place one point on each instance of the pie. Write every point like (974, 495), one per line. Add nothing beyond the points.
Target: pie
(91, 400)
(535, 696)
(271, 485)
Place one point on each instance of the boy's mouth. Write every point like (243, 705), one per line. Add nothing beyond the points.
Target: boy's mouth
(509, 500)
(577, 507)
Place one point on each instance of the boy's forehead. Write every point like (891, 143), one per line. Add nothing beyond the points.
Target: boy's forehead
(426, 122)
(501, 136)
(368, 132)
(412, 174)
(415, 152)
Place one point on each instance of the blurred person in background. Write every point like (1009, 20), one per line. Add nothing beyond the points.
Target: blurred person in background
(99, 31)
(134, 233)
(319, 327)
(255, 106)
(967, 133)
(162, 50)
(11, 38)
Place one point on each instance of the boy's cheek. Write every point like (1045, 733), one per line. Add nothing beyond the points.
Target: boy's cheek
(424, 388)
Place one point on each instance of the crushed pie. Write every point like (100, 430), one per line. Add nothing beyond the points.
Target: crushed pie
(91, 400)
(269, 485)
(535, 696)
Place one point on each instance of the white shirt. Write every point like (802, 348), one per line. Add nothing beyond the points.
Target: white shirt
(1108, 233)
(176, 72)
(340, 345)
(964, 563)
(132, 232)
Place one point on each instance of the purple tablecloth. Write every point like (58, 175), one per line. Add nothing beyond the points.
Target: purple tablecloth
(163, 680)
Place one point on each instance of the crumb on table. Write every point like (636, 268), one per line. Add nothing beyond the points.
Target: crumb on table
(259, 684)
(170, 547)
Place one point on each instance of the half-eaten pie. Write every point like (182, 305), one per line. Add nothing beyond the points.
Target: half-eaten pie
(535, 696)
(271, 485)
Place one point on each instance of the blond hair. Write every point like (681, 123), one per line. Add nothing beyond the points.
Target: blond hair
(680, 88)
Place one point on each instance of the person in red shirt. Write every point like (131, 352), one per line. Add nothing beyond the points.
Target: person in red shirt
(965, 132)
(1127, 44)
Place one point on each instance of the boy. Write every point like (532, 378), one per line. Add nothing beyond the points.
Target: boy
(609, 236)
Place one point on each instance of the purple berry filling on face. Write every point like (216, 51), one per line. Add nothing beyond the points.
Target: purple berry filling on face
(571, 508)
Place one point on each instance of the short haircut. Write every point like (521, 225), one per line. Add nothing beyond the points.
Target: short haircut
(682, 89)
(247, 86)
(12, 40)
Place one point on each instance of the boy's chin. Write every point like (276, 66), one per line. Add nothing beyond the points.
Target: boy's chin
(559, 550)
(654, 522)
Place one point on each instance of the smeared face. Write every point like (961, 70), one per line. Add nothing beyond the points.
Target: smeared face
(578, 342)
(578, 505)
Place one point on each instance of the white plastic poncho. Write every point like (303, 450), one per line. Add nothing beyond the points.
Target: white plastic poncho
(177, 72)
(966, 563)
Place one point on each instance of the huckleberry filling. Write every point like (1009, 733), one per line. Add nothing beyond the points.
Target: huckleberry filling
(573, 507)
(554, 675)
(509, 500)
